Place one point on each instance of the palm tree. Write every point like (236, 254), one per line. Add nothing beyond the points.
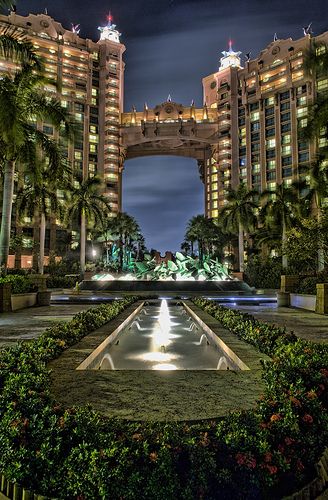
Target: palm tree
(238, 216)
(196, 232)
(125, 229)
(6, 4)
(39, 198)
(86, 204)
(281, 209)
(22, 101)
(316, 191)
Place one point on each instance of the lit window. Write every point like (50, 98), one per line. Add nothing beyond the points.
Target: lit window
(215, 195)
(302, 123)
(255, 116)
(271, 164)
(286, 150)
(78, 155)
(93, 148)
(214, 186)
(285, 139)
(214, 213)
(301, 112)
(271, 143)
(79, 117)
(93, 138)
(322, 85)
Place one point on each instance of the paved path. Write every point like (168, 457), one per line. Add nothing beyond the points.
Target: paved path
(28, 324)
(305, 324)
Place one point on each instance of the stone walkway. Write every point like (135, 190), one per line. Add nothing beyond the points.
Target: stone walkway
(28, 324)
(305, 324)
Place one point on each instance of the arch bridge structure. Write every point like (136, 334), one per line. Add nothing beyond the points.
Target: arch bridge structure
(170, 129)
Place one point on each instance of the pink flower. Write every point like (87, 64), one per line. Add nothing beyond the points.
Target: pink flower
(307, 419)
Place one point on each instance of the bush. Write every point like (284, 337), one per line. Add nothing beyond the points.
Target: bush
(19, 284)
(61, 281)
(263, 273)
(76, 453)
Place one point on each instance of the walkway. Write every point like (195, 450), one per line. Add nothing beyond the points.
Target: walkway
(305, 324)
(28, 324)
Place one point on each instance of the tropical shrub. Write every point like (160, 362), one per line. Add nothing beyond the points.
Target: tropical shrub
(263, 273)
(19, 284)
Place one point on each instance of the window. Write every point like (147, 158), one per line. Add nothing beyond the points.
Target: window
(302, 123)
(285, 139)
(269, 111)
(270, 132)
(93, 148)
(243, 172)
(271, 143)
(286, 150)
(285, 117)
(78, 155)
(287, 172)
(301, 112)
(271, 164)
(286, 160)
(255, 126)
(271, 176)
(285, 127)
(302, 146)
(269, 101)
(284, 106)
(303, 157)
(256, 168)
(269, 122)
(255, 115)
(254, 106)
(301, 90)
(254, 136)
(284, 96)
(214, 186)
(93, 138)
(214, 213)
(271, 153)
(255, 147)
(322, 85)
(301, 101)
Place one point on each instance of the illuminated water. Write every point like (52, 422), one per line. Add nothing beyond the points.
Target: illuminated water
(162, 337)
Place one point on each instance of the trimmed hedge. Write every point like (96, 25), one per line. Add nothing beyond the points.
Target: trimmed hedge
(61, 281)
(19, 283)
(77, 453)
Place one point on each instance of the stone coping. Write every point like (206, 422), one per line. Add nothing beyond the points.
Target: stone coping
(157, 396)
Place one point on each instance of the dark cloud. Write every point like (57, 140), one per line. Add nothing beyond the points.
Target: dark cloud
(171, 46)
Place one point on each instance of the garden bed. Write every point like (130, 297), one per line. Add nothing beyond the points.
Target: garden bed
(267, 451)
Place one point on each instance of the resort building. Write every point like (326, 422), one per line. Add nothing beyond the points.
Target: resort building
(262, 108)
(248, 129)
(87, 77)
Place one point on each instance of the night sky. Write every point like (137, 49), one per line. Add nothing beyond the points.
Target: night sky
(171, 45)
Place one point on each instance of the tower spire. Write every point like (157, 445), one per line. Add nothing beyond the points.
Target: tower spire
(230, 58)
(109, 32)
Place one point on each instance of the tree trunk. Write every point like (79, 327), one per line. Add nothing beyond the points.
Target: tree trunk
(284, 257)
(7, 203)
(241, 248)
(82, 243)
(42, 242)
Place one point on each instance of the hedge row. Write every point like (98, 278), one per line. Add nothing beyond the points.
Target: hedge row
(19, 283)
(77, 453)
